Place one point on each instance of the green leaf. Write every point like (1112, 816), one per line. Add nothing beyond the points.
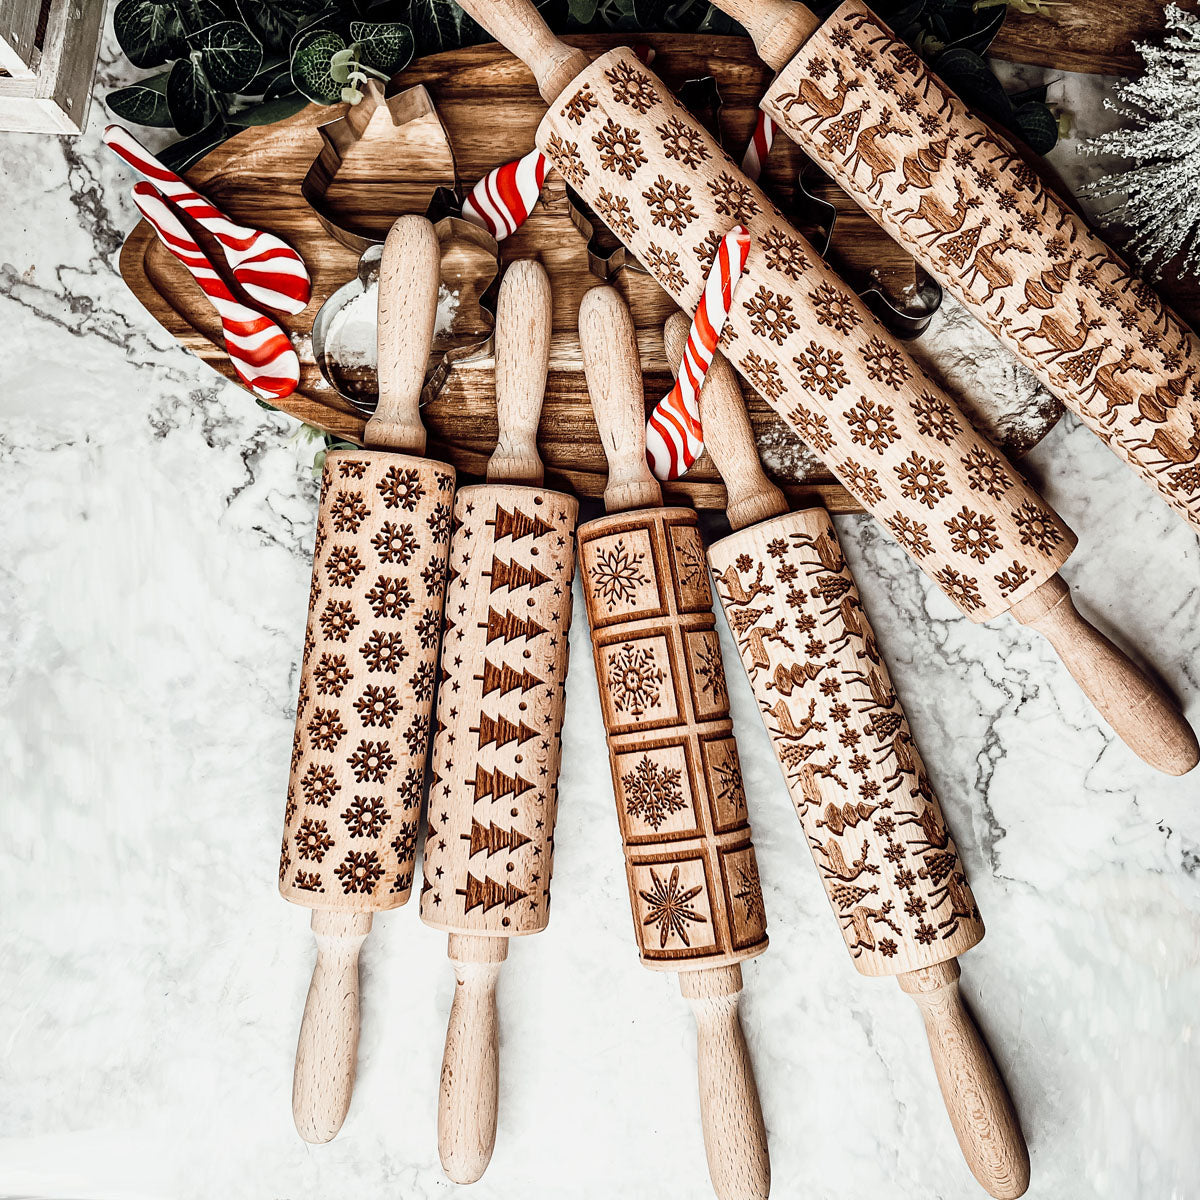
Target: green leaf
(185, 153)
(583, 11)
(147, 32)
(229, 53)
(386, 47)
(274, 22)
(143, 103)
(190, 99)
(195, 15)
(267, 112)
(972, 78)
(1037, 125)
(310, 66)
(437, 25)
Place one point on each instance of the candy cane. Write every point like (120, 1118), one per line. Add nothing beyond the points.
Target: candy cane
(674, 438)
(759, 146)
(266, 266)
(260, 351)
(505, 196)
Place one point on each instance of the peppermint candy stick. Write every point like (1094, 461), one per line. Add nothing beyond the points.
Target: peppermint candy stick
(505, 196)
(759, 146)
(260, 351)
(674, 438)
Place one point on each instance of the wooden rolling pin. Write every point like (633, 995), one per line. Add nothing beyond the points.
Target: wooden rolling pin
(366, 681)
(689, 859)
(815, 352)
(492, 804)
(872, 822)
(977, 216)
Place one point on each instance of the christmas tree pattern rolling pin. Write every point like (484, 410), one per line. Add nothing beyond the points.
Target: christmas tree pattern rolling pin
(492, 803)
(693, 879)
(875, 829)
(969, 207)
(366, 681)
(819, 357)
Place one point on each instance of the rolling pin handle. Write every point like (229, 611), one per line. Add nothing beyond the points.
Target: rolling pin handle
(1140, 711)
(980, 1108)
(470, 1086)
(327, 1051)
(735, 1137)
(778, 27)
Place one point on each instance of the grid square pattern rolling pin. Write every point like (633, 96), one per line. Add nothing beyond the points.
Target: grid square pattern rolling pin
(805, 342)
(366, 680)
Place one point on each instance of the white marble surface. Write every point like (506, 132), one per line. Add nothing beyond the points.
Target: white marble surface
(155, 561)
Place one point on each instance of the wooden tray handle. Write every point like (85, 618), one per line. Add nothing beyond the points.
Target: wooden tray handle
(409, 274)
(469, 1094)
(327, 1052)
(728, 438)
(735, 1137)
(522, 340)
(979, 1105)
(614, 378)
(778, 28)
(518, 26)
(1140, 712)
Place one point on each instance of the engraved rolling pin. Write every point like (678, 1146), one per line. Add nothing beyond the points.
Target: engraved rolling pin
(812, 349)
(366, 681)
(978, 217)
(875, 829)
(689, 859)
(492, 803)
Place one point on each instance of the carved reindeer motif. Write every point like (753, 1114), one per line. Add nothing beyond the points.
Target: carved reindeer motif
(1062, 341)
(958, 892)
(854, 621)
(1165, 443)
(867, 150)
(835, 866)
(859, 919)
(943, 222)
(787, 726)
(756, 645)
(829, 553)
(987, 264)
(1106, 383)
(907, 760)
(735, 591)
(824, 108)
(937, 836)
(882, 695)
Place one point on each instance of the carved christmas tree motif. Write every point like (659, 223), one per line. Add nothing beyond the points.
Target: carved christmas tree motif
(500, 731)
(493, 838)
(497, 784)
(635, 676)
(617, 574)
(652, 792)
(510, 627)
(489, 893)
(838, 135)
(960, 247)
(670, 909)
(513, 575)
(517, 525)
(504, 679)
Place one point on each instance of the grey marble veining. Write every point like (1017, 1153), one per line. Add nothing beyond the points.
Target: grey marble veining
(154, 575)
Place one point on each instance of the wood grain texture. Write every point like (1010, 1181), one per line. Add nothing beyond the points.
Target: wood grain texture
(366, 681)
(977, 216)
(802, 339)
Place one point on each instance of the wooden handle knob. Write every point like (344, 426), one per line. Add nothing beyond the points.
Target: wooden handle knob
(979, 1105)
(735, 1138)
(470, 1087)
(778, 27)
(327, 1052)
(614, 379)
(409, 273)
(1140, 712)
(523, 313)
(517, 25)
(728, 438)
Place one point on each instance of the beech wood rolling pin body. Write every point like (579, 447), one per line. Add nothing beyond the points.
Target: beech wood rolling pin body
(693, 880)
(366, 681)
(814, 351)
(979, 218)
(493, 800)
(876, 831)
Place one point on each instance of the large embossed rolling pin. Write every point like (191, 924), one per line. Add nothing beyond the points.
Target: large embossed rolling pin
(496, 753)
(818, 356)
(366, 681)
(875, 829)
(690, 865)
(970, 209)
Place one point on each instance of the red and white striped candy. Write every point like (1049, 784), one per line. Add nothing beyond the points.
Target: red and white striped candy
(505, 196)
(260, 351)
(674, 438)
(759, 147)
(266, 266)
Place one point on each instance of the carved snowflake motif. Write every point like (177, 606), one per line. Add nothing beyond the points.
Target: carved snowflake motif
(652, 792)
(383, 652)
(439, 522)
(352, 468)
(389, 597)
(770, 314)
(710, 670)
(923, 479)
(360, 871)
(763, 375)
(377, 705)
(935, 418)
(422, 681)
(620, 149)
(331, 674)
(433, 574)
(285, 855)
(319, 785)
(733, 198)
(670, 204)
(343, 566)
(1013, 578)
(872, 425)
(405, 842)
(309, 881)
(566, 158)
(784, 253)
(325, 729)
(636, 678)
(962, 589)
(670, 908)
(428, 628)
(371, 761)
(1037, 528)
(633, 87)
(664, 266)
(366, 817)
(401, 487)
(834, 308)
(862, 481)
(749, 891)
(821, 370)
(682, 143)
(706, 251)
(416, 736)
(912, 535)
(812, 427)
(885, 364)
(974, 534)
(338, 620)
(409, 788)
(617, 574)
(985, 472)
(395, 543)
(347, 511)
(579, 105)
(312, 839)
(615, 213)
